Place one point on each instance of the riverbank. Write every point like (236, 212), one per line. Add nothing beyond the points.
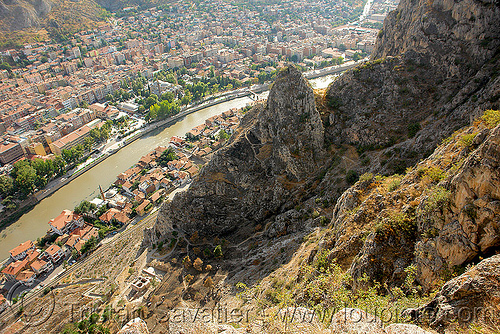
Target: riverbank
(165, 182)
(67, 178)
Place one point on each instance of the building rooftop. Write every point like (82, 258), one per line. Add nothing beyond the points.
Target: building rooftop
(65, 218)
(53, 249)
(21, 248)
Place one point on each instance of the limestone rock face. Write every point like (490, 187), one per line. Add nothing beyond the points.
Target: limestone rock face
(420, 77)
(18, 15)
(292, 125)
(472, 296)
(441, 29)
(470, 226)
(275, 149)
(433, 65)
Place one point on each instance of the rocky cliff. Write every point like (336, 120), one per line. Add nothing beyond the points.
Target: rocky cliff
(470, 296)
(434, 68)
(439, 217)
(24, 20)
(259, 173)
(20, 19)
(17, 15)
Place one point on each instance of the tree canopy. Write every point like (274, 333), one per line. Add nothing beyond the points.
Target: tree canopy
(167, 156)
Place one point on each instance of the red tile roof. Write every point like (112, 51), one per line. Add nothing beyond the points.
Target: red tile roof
(38, 264)
(65, 218)
(25, 275)
(53, 249)
(15, 267)
(22, 248)
(33, 255)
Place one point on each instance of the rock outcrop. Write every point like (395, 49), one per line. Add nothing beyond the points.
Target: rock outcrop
(22, 18)
(260, 171)
(56, 16)
(435, 67)
(469, 225)
(442, 215)
(472, 296)
(18, 15)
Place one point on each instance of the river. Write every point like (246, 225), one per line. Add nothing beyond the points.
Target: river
(34, 224)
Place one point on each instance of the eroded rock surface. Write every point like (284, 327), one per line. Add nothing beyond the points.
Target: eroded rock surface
(276, 148)
(472, 296)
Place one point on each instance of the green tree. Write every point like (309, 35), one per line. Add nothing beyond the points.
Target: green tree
(150, 100)
(223, 135)
(59, 165)
(43, 168)
(25, 179)
(84, 207)
(187, 98)
(356, 56)
(169, 96)
(167, 156)
(87, 143)
(101, 210)
(89, 245)
(5, 66)
(352, 176)
(6, 185)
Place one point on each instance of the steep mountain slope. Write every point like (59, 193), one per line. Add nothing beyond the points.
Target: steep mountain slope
(25, 14)
(17, 15)
(442, 215)
(390, 241)
(23, 20)
(434, 68)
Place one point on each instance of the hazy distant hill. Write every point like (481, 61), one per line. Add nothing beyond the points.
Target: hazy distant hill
(21, 20)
